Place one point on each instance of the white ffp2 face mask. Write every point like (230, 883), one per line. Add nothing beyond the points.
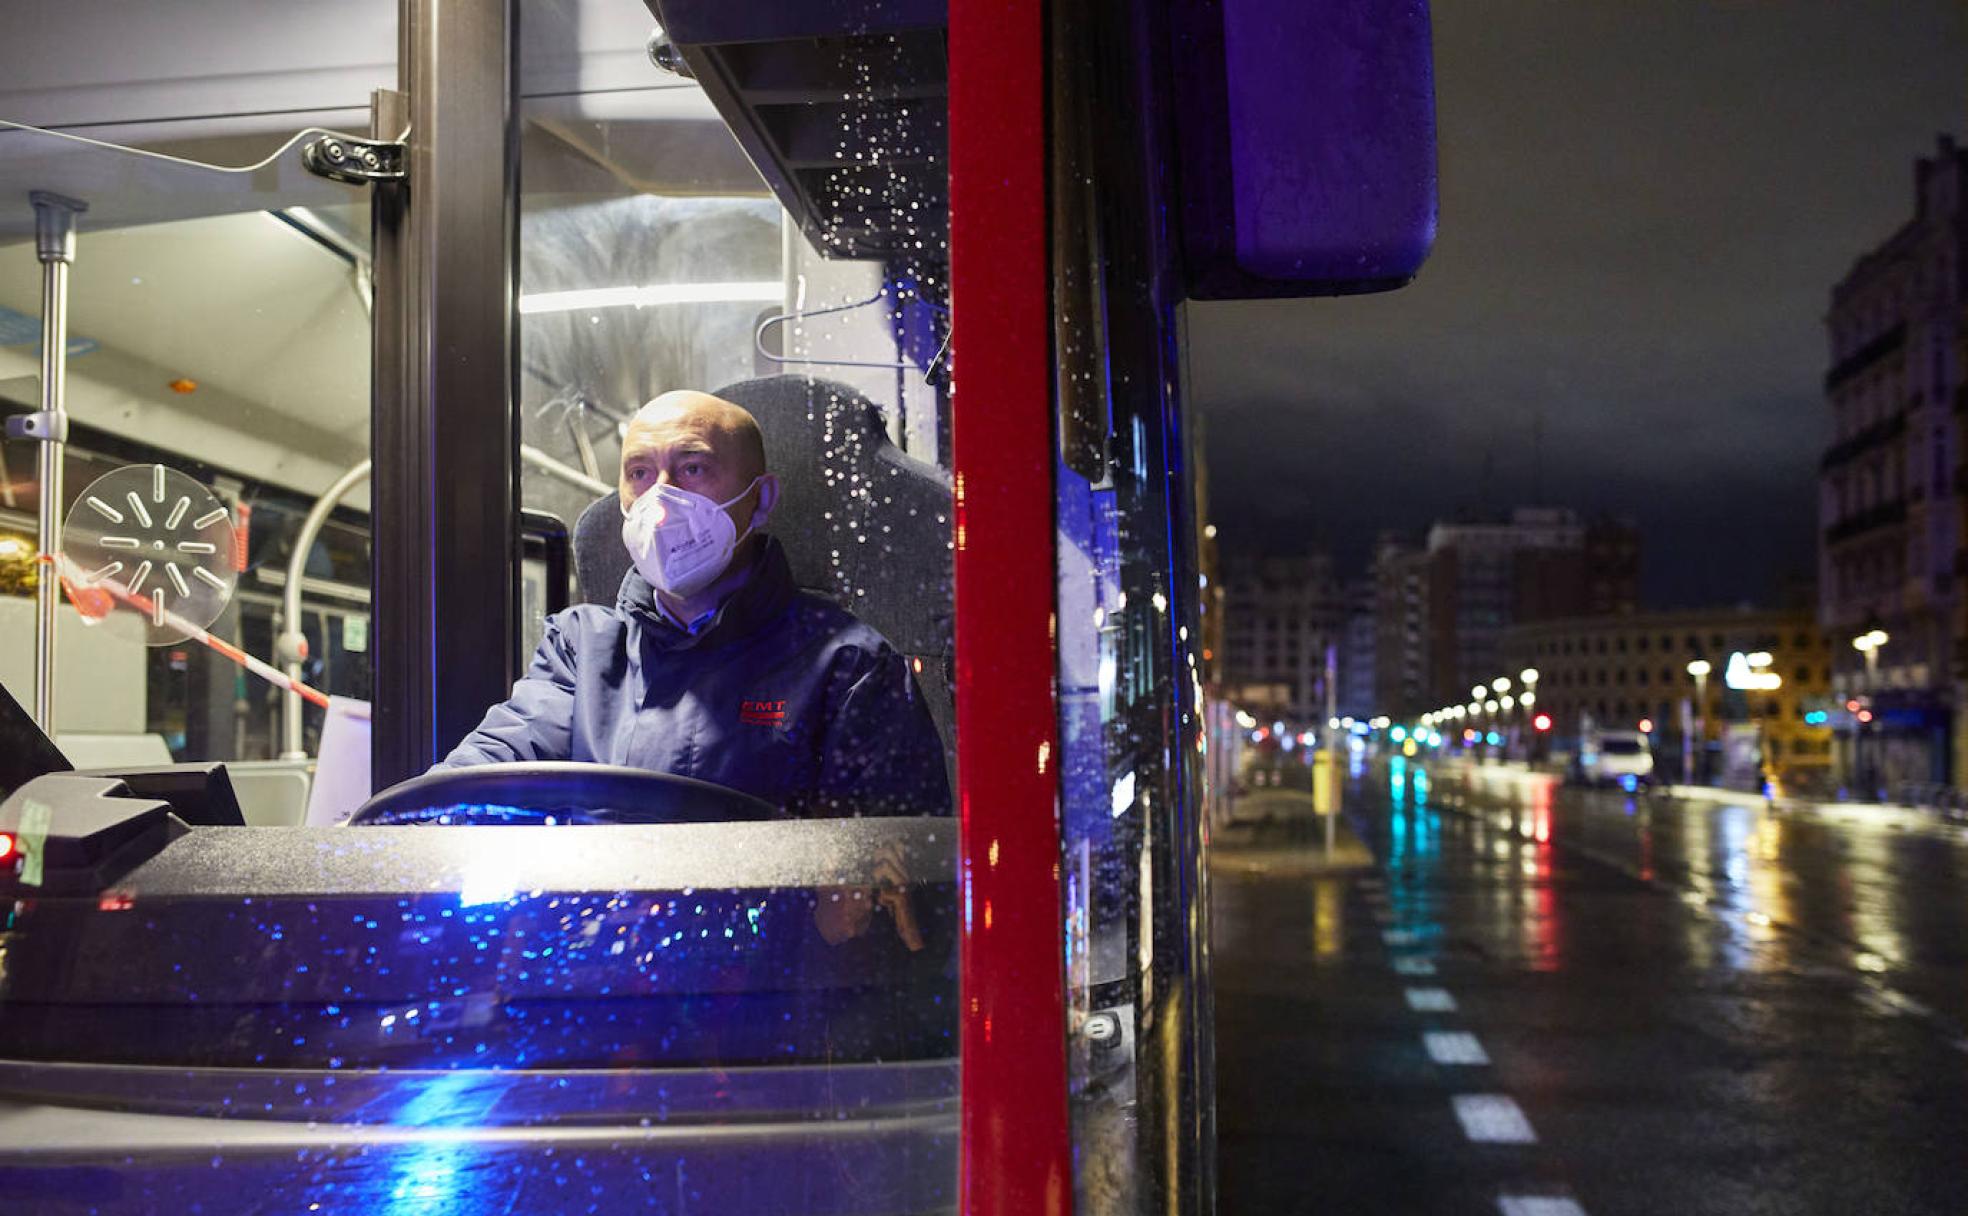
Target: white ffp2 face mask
(679, 540)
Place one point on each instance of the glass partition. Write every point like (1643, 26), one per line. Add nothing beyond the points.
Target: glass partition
(658, 253)
(673, 242)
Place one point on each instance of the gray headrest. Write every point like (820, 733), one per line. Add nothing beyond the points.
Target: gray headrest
(600, 560)
(860, 519)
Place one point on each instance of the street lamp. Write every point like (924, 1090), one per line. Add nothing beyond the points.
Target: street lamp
(1501, 683)
(1868, 644)
(1532, 743)
(1699, 669)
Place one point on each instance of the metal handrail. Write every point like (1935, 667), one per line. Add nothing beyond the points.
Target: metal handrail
(291, 646)
(292, 643)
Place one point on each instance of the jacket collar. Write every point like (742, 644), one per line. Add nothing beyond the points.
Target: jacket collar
(762, 598)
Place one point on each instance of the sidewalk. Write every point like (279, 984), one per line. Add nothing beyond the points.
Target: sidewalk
(1276, 833)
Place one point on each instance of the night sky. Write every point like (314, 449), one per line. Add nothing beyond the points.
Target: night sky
(1644, 209)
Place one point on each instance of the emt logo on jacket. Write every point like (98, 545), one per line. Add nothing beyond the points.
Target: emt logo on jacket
(762, 713)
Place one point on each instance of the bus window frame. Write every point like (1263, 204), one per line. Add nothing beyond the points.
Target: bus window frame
(445, 576)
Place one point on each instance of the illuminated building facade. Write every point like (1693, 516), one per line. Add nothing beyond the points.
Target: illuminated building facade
(1889, 507)
(1280, 615)
(1619, 672)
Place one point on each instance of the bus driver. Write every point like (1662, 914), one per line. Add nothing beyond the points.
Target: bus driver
(712, 664)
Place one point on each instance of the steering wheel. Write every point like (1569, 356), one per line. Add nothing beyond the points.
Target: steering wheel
(538, 792)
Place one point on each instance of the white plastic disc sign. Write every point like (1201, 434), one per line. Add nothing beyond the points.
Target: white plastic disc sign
(149, 539)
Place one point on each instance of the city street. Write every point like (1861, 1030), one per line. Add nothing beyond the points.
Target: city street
(1545, 1001)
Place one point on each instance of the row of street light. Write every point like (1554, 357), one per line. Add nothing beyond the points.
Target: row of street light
(1503, 696)
(1499, 696)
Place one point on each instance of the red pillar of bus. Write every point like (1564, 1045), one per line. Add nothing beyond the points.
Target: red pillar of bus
(1016, 1158)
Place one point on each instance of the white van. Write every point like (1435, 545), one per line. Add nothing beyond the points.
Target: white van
(1616, 757)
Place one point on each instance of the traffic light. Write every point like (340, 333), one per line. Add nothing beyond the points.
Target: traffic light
(1541, 723)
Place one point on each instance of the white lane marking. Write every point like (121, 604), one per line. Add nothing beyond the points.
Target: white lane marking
(1400, 937)
(1414, 966)
(1493, 1119)
(1538, 1205)
(1454, 1047)
(1430, 1000)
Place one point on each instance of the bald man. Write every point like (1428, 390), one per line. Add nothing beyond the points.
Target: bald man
(712, 664)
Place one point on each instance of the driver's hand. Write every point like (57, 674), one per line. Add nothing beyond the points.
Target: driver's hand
(842, 913)
(892, 893)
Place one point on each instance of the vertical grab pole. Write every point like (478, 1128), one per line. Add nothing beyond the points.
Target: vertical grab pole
(54, 245)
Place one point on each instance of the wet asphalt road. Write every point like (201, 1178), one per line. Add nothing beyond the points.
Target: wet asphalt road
(1545, 1001)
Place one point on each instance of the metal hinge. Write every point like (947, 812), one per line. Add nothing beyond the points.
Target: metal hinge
(356, 161)
(46, 426)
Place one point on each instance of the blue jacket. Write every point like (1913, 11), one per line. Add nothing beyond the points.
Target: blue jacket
(783, 695)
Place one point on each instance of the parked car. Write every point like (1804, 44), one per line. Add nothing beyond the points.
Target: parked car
(1616, 757)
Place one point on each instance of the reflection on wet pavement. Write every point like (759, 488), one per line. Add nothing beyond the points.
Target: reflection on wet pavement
(1793, 893)
(1693, 1006)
